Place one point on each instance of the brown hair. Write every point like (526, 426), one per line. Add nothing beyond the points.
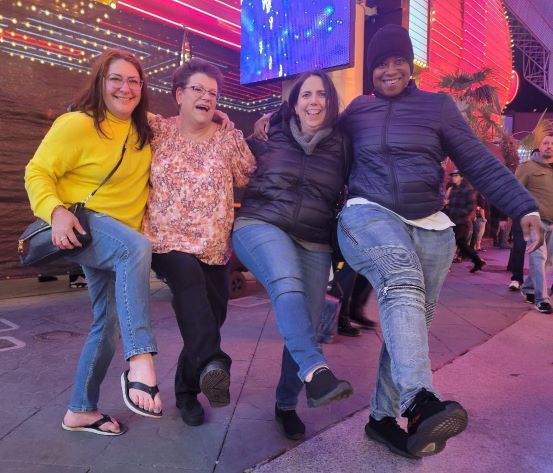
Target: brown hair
(332, 102)
(196, 65)
(91, 100)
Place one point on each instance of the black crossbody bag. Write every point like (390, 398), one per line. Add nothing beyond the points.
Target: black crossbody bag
(35, 247)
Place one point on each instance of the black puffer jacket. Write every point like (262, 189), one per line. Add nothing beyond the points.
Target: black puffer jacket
(292, 190)
(399, 144)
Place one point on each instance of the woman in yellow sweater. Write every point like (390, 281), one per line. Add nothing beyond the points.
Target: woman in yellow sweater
(75, 156)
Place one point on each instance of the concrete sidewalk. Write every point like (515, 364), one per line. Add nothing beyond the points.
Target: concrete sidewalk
(501, 372)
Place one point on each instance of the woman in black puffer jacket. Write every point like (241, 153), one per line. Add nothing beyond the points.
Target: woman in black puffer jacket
(283, 232)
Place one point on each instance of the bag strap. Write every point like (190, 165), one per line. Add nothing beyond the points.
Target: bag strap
(112, 172)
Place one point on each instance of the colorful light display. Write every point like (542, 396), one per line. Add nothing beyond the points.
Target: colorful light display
(281, 38)
(468, 35)
(72, 34)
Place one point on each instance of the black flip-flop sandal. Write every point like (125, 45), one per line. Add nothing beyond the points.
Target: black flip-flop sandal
(126, 385)
(95, 427)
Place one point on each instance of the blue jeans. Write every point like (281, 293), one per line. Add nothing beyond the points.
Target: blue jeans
(539, 262)
(295, 280)
(117, 268)
(407, 266)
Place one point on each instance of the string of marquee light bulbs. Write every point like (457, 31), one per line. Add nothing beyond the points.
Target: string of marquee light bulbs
(40, 40)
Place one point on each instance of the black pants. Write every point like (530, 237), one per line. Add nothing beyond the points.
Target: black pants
(461, 232)
(516, 258)
(351, 288)
(200, 297)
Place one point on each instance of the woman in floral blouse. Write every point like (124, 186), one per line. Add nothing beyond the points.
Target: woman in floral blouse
(195, 164)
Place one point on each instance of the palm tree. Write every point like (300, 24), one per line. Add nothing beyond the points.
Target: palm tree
(477, 101)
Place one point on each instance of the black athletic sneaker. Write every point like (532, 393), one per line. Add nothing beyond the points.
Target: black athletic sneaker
(529, 298)
(346, 329)
(477, 266)
(432, 422)
(388, 432)
(294, 428)
(544, 307)
(324, 387)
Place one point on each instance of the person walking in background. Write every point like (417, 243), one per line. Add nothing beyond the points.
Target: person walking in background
(479, 223)
(353, 291)
(195, 164)
(537, 176)
(80, 149)
(393, 233)
(516, 260)
(283, 232)
(460, 206)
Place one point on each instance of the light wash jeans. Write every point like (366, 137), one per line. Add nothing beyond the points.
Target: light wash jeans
(117, 268)
(539, 262)
(296, 280)
(407, 266)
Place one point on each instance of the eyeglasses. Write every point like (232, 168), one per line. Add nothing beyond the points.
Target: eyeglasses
(118, 81)
(199, 91)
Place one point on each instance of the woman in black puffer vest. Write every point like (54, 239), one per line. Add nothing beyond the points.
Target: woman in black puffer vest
(283, 232)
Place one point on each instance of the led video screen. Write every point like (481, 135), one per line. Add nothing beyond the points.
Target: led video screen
(281, 38)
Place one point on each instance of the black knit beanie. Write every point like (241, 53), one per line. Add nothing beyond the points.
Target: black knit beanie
(390, 40)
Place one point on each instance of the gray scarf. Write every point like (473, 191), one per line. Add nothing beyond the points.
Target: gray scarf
(306, 141)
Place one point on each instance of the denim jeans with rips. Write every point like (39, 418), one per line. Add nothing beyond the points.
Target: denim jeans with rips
(117, 268)
(407, 266)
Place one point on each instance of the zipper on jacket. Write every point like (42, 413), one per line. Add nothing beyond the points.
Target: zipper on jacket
(301, 180)
(390, 159)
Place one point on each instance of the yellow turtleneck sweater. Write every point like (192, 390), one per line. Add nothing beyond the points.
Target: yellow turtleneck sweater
(74, 158)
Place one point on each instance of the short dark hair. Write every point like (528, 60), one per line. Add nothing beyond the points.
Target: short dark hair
(182, 74)
(91, 100)
(332, 101)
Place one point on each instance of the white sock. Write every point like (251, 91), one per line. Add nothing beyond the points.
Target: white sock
(309, 375)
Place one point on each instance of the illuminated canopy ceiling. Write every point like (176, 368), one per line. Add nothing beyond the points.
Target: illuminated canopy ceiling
(70, 34)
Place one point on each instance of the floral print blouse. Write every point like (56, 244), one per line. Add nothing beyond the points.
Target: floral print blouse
(190, 207)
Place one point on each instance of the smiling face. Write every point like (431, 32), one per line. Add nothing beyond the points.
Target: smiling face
(122, 90)
(311, 105)
(391, 77)
(198, 99)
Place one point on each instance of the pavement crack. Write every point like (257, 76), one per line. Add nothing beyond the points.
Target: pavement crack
(257, 342)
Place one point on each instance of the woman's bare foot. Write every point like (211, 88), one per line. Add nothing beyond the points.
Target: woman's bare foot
(142, 370)
(84, 419)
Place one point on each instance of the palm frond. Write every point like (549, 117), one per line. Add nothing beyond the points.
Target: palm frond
(532, 140)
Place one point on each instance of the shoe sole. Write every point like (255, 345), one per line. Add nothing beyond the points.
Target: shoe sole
(544, 311)
(373, 434)
(296, 436)
(341, 391)
(433, 433)
(215, 386)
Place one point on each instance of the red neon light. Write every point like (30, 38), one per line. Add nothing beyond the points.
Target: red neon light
(179, 25)
(205, 13)
(467, 35)
(513, 87)
(26, 38)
